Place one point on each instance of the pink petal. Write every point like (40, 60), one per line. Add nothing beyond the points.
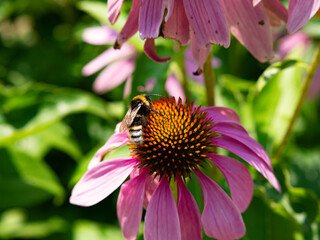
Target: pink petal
(314, 90)
(177, 26)
(99, 35)
(162, 220)
(131, 25)
(199, 53)
(108, 56)
(151, 185)
(277, 8)
(208, 22)
(100, 181)
(115, 141)
(238, 178)
(221, 219)
(250, 25)
(246, 154)
(127, 87)
(256, 2)
(151, 17)
(222, 114)
(242, 136)
(129, 205)
(174, 88)
(114, 7)
(113, 75)
(150, 51)
(189, 214)
(300, 11)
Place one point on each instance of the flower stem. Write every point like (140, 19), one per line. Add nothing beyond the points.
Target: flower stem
(209, 80)
(303, 96)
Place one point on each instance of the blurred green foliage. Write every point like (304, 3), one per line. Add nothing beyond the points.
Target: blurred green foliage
(51, 123)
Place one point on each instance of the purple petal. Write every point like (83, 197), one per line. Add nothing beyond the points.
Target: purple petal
(277, 8)
(108, 56)
(131, 25)
(191, 66)
(127, 87)
(174, 88)
(189, 214)
(115, 141)
(208, 22)
(113, 75)
(250, 25)
(151, 17)
(290, 42)
(255, 2)
(246, 154)
(100, 181)
(151, 185)
(177, 26)
(114, 7)
(129, 205)
(300, 11)
(99, 35)
(162, 220)
(222, 114)
(221, 218)
(238, 178)
(242, 136)
(200, 54)
(150, 51)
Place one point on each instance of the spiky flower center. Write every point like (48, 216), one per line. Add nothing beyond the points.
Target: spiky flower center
(177, 138)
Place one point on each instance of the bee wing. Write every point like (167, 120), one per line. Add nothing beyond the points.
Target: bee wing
(128, 119)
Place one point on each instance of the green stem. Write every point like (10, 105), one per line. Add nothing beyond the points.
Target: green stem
(209, 80)
(303, 96)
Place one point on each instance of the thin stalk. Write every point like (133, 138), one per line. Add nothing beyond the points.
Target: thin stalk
(302, 99)
(209, 80)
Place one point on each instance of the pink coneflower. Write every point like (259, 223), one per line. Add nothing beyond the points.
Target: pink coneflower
(202, 23)
(177, 143)
(118, 64)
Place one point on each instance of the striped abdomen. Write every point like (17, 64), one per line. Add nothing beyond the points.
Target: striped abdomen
(135, 131)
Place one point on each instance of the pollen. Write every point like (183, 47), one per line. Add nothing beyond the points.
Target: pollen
(186, 133)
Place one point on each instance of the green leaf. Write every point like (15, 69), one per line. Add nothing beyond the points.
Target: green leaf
(274, 106)
(14, 224)
(51, 105)
(25, 181)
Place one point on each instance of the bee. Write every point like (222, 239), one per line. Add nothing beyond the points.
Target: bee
(139, 108)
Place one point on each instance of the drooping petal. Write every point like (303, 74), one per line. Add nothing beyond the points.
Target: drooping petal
(129, 205)
(114, 7)
(277, 8)
(242, 136)
(150, 186)
(162, 220)
(174, 88)
(290, 42)
(99, 35)
(100, 181)
(255, 2)
(115, 141)
(208, 22)
(222, 114)
(238, 178)
(189, 214)
(113, 75)
(221, 218)
(250, 25)
(127, 87)
(199, 53)
(300, 11)
(131, 25)
(246, 154)
(150, 51)
(177, 26)
(151, 15)
(108, 56)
